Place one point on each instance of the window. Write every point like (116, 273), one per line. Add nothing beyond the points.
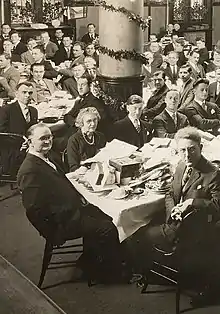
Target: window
(190, 11)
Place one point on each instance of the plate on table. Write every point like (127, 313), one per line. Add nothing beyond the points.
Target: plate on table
(119, 193)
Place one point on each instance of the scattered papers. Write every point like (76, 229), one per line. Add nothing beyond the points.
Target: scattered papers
(114, 149)
(160, 142)
(211, 150)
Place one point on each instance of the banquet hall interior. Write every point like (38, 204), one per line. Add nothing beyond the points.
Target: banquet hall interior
(109, 156)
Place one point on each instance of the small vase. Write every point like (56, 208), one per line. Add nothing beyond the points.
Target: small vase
(55, 23)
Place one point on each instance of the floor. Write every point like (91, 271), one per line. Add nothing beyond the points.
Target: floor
(22, 246)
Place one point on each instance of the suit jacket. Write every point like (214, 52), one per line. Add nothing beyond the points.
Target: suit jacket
(164, 125)
(172, 77)
(26, 57)
(187, 94)
(52, 204)
(200, 74)
(125, 131)
(61, 55)
(50, 85)
(155, 104)
(148, 74)
(168, 48)
(50, 50)
(19, 49)
(69, 72)
(202, 119)
(212, 94)
(87, 39)
(203, 187)
(50, 72)
(70, 85)
(12, 77)
(12, 119)
(59, 44)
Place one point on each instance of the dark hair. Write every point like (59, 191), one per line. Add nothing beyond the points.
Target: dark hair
(30, 39)
(200, 39)
(26, 83)
(189, 133)
(186, 66)
(134, 99)
(41, 48)
(201, 81)
(79, 43)
(14, 32)
(180, 41)
(36, 65)
(77, 64)
(90, 24)
(160, 72)
(87, 77)
(194, 50)
(5, 24)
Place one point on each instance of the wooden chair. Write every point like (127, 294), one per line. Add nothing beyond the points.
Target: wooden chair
(50, 250)
(11, 157)
(163, 264)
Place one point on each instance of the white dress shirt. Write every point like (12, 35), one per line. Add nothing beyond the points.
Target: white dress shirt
(25, 111)
(173, 115)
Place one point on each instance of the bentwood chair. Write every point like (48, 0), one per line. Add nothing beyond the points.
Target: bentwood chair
(11, 157)
(172, 267)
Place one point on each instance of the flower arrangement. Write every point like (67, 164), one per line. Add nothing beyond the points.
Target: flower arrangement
(22, 14)
(198, 11)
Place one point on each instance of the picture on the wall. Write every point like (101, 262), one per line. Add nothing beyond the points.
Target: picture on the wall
(76, 12)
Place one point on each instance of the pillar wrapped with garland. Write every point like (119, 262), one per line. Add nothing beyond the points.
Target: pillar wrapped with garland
(121, 40)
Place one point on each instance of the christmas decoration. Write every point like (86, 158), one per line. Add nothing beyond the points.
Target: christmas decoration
(122, 54)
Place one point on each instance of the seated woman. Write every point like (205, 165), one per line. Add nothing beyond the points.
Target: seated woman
(86, 142)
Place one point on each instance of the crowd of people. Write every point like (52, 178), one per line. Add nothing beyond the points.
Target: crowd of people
(181, 100)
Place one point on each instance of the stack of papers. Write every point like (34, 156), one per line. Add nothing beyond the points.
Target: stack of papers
(114, 149)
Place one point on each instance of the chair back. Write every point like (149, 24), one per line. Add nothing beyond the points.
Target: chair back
(11, 156)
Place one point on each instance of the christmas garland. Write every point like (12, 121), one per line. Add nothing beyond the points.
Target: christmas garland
(136, 18)
(122, 54)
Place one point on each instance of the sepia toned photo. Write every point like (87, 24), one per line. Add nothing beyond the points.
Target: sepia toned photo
(109, 156)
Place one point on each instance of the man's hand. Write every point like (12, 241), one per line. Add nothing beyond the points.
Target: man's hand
(179, 209)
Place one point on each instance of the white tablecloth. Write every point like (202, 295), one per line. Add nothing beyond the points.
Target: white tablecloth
(128, 214)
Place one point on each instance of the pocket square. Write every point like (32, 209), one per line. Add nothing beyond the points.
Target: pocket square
(212, 111)
(199, 187)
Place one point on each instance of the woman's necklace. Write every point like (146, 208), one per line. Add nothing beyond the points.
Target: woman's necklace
(92, 139)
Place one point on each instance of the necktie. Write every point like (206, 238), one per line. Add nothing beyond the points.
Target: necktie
(137, 125)
(68, 52)
(174, 117)
(26, 113)
(186, 176)
(50, 163)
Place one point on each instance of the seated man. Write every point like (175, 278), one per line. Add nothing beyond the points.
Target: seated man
(42, 87)
(70, 83)
(155, 104)
(87, 100)
(214, 89)
(56, 209)
(203, 114)
(49, 47)
(38, 53)
(18, 116)
(172, 68)
(170, 121)
(131, 129)
(195, 188)
(197, 69)
(65, 51)
(27, 57)
(9, 77)
(18, 46)
(186, 91)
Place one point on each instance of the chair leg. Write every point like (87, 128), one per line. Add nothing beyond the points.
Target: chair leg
(177, 299)
(46, 260)
(145, 284)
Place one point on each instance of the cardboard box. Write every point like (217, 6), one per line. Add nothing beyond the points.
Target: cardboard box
(128, 167)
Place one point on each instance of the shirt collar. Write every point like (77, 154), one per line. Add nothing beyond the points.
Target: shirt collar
(132, 120)
(23, 106)
(201, 103)
(170, 113)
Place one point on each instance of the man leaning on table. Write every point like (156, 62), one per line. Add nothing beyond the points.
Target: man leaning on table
(58, 212)
(132, 129)
(195, 188)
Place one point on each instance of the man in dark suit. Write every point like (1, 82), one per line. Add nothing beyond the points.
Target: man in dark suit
(18, 46)
(171, 46)
(58, 37)
(172, 70)
(39, 57)
(50, 48)
(131, 129)
(87, 100)
(203, 114)
(214, 89)
(203, 51)
(91, 36)
(18, 116)
(186, 90)
(70, 84)
(56, 209)
(195, 188)
(197, 69)
(65, 51)
(170, 121)
(155, 104)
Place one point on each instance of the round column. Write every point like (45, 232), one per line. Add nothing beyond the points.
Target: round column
(116, 32)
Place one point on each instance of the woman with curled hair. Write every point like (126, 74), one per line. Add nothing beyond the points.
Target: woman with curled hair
(86, 142)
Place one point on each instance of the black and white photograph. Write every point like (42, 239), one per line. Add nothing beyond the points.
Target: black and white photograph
(109, 156)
